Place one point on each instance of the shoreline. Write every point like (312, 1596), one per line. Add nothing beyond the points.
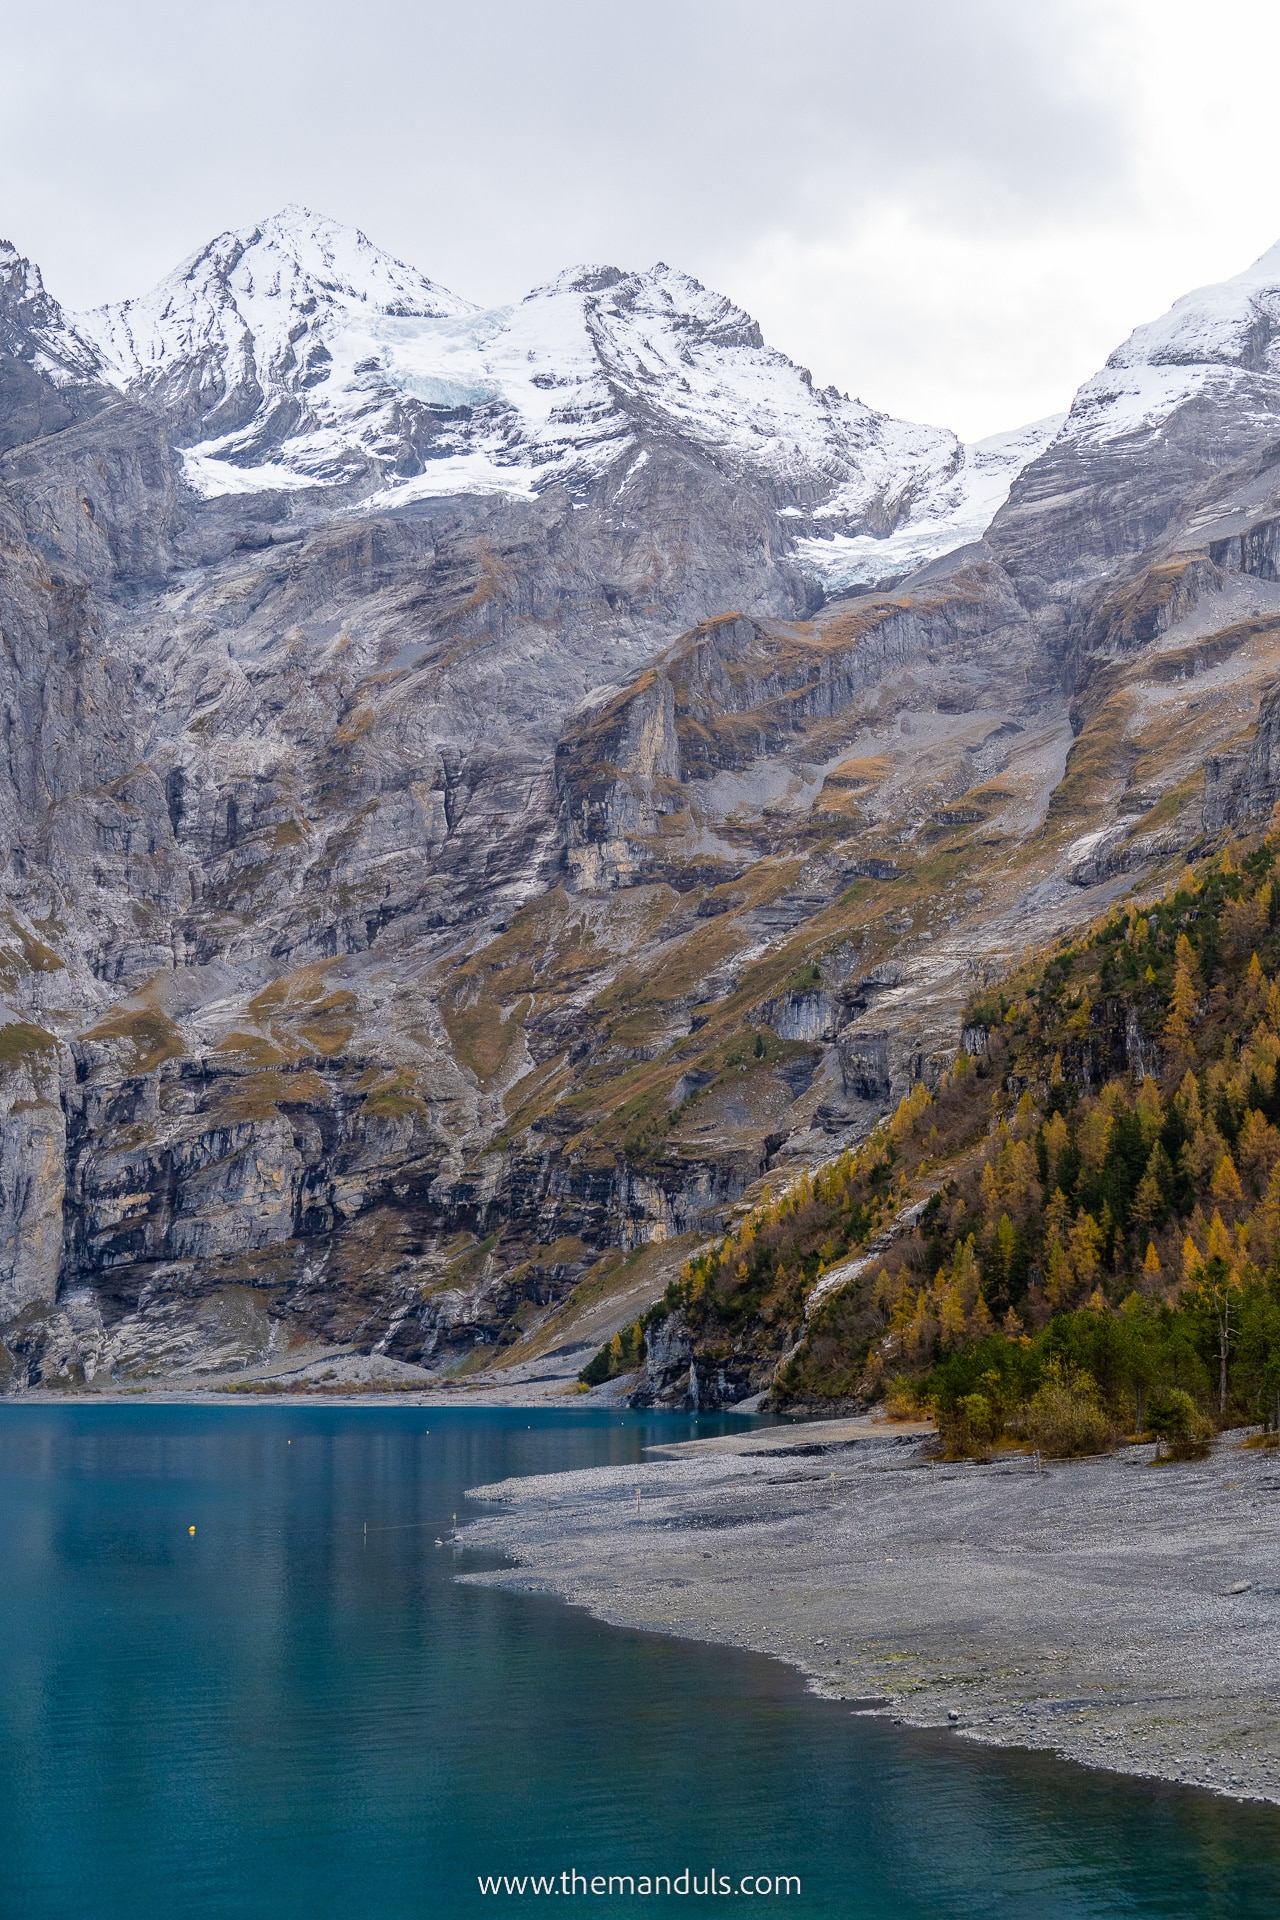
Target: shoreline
(491, 1399)
(496, 1399)
(381, 1401)
(1124, 1618)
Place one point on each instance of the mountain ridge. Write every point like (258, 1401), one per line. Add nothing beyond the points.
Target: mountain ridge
(357, 392)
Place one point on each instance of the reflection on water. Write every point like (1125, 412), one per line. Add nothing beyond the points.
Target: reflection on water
(296, 1711)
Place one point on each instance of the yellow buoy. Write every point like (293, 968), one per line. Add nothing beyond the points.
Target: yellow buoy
(190, 1529)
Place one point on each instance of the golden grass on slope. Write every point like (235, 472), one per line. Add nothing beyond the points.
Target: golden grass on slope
(615, 1290)
(21, 1042)
(394, 1096)
(483, 1035)
(301, 989)
(149, 1032)
(1134, 612)
(550, 950)
(329, 1028)
(534, 1096)
(1098, 765)
(260, 1096)
(254, 1049)
(845, 784)
(35, 956)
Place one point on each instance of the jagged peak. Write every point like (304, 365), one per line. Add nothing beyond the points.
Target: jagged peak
(584, 278)
(337, 258)
(1214, 324)
(253, 280)
(1265, 270)
(18, 275)
(665, 292)
(598, 277)
(1215, 337)
(33, 326)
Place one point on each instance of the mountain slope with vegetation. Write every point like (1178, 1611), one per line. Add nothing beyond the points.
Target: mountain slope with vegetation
(432, 908)
(1076, 1234)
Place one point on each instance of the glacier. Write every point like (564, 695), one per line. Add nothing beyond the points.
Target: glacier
(295, 356)
(952, 514)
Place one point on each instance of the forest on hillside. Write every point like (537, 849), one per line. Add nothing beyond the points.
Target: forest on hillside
(1076, 1234)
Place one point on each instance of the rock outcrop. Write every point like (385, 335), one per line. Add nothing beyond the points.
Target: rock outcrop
(33, 1151)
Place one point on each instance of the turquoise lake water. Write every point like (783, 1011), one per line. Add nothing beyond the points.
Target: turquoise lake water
(283, 1715)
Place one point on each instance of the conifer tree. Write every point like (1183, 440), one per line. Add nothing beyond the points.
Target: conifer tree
(1182, 1008)
(1225, 1185)
(1085, 1249)
(1254, 993)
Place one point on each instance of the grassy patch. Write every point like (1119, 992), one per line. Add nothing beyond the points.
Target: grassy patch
(1098, 766)
(20, 1042)
(484, 1034)
(150, 1033)
(396, 1099)
(254, 1049)
(306, 988)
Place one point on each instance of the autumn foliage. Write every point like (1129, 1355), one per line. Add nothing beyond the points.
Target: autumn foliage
(1100, 1189)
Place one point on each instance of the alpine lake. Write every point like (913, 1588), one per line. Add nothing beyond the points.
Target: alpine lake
(240, 1678)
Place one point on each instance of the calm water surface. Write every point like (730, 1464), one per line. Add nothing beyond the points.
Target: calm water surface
(284, 1715)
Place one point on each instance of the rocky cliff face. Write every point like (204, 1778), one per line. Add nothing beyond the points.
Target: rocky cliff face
(454, 839)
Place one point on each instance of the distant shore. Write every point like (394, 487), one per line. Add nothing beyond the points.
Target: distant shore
(1120, 1614)
(494, 1398)
(557, 1391)
(357, 1380)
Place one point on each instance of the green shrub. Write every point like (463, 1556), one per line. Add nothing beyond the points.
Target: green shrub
(970, 1427)
(623, 1354)
(1065, 1417)
(1181, 1430)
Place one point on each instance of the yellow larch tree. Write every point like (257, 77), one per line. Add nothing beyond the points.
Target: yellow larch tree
(1084, 1245)
(1180, 1019)
(1225, 1184)
(1255, 991)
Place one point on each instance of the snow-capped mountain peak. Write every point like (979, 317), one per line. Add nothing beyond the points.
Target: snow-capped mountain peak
(663, 357)
(296, 354)
(1232, 323)
(1210, 341)
(33, 327)
(235, 340)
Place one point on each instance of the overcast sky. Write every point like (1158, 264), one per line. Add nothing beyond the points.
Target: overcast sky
(954, 208)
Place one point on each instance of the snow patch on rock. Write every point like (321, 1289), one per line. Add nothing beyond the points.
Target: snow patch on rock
(955, 510)
(34, 329)
(297, 354)
(1209, 342)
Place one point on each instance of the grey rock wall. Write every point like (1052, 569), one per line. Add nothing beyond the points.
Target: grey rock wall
(33, 1142)
(1241, 788)
(349, 859)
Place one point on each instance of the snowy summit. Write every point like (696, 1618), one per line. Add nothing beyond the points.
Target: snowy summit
(1217, 342)
(295, 354)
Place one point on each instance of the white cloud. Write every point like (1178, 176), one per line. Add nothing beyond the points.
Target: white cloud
(978, 316)
(954, 208)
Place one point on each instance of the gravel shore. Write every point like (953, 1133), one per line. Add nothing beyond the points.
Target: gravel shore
(1118, 1613)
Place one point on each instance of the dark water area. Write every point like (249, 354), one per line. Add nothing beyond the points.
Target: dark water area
(297, 1711)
